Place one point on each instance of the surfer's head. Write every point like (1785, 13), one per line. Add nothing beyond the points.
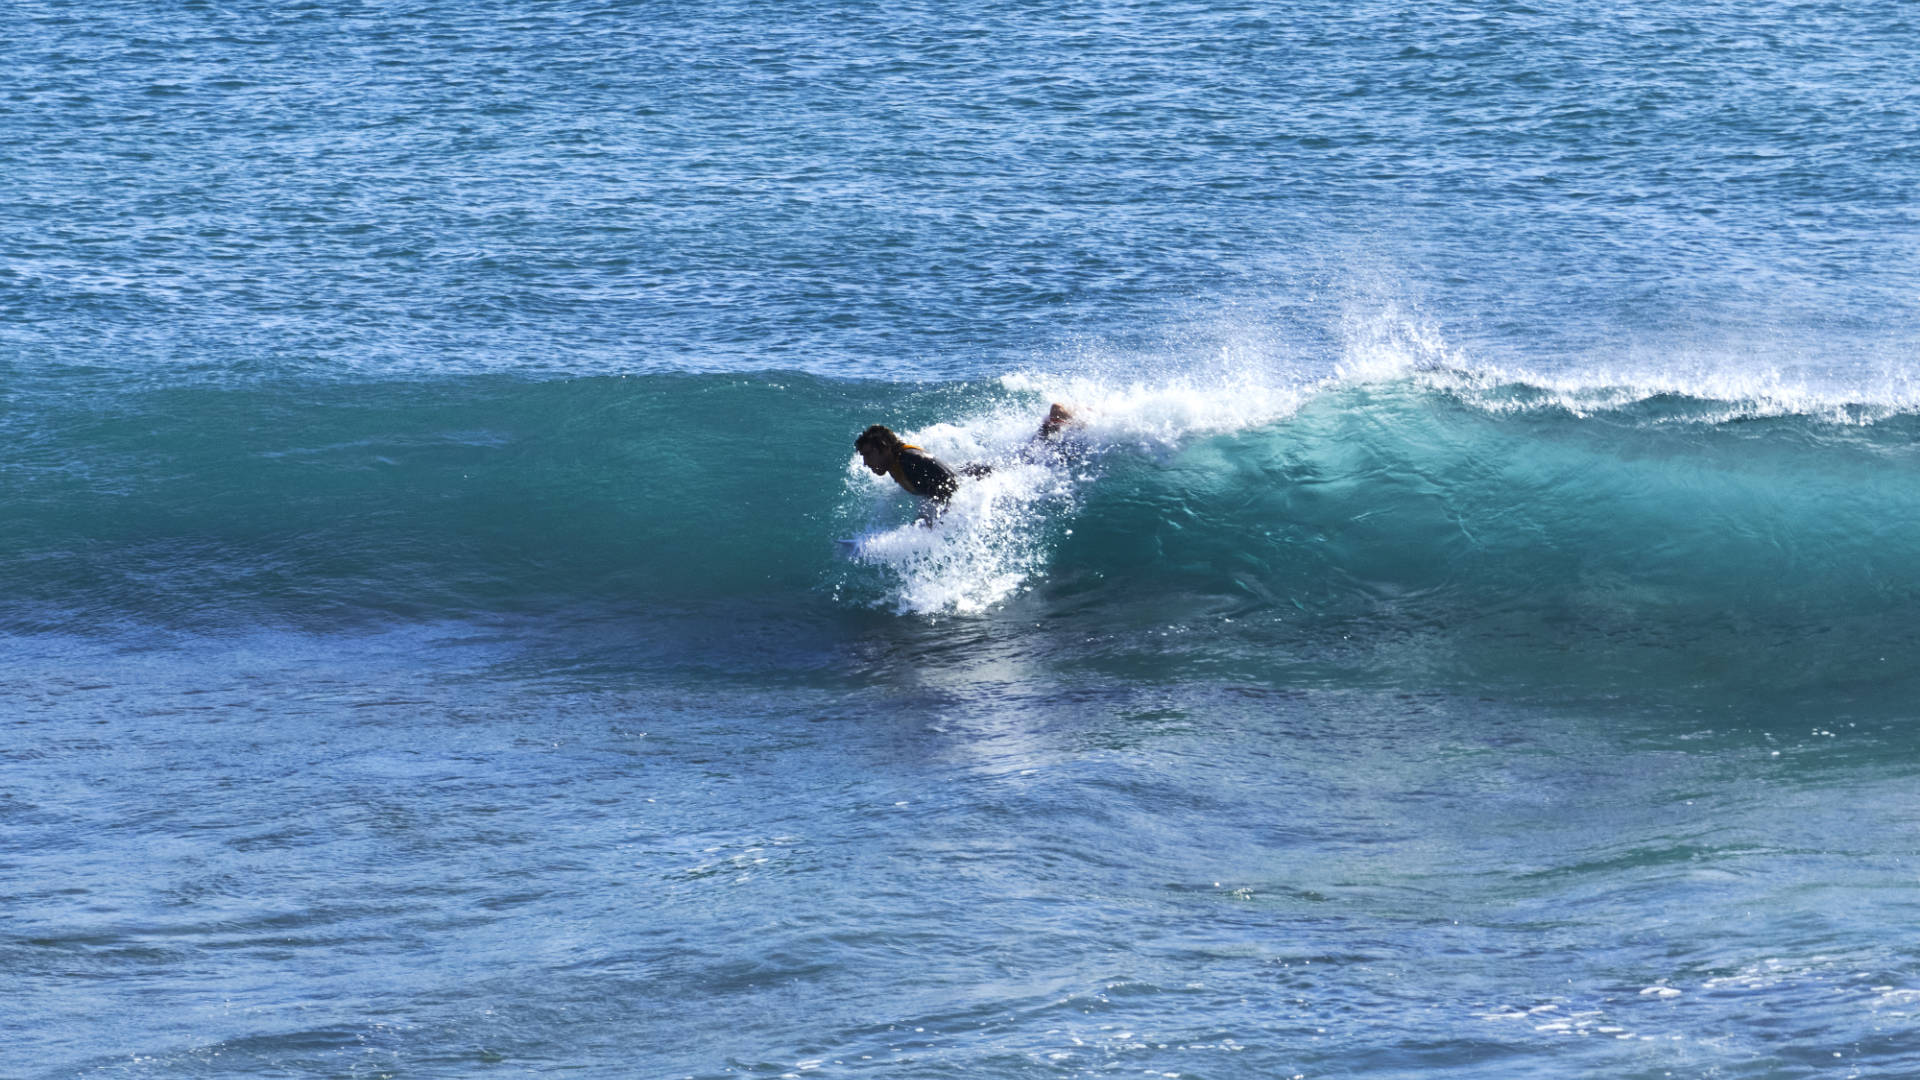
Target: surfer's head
(878, 447)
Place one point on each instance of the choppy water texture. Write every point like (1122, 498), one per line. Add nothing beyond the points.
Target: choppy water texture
(1468, 633)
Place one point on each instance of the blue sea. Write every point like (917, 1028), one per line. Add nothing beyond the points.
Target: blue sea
(1472, 629)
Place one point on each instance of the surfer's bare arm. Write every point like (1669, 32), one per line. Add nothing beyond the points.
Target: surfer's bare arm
(1057, 417)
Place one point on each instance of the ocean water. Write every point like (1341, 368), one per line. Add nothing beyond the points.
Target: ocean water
(1471, 630)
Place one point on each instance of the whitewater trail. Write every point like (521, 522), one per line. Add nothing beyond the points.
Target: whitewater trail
(994, 538)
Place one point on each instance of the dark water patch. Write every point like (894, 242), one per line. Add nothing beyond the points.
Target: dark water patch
(1343, 863)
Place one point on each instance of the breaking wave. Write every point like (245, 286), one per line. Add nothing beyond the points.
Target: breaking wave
(1462, 516)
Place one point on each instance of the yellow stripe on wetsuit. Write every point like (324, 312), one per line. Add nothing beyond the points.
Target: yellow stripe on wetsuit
(899, 469)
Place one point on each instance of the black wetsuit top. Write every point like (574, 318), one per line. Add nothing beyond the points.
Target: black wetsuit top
(918, 472)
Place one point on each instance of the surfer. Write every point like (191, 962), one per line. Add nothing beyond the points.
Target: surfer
(1047, 442)
(1057, 417)
(920, 473)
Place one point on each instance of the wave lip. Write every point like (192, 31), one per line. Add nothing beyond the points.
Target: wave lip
(1713, 397)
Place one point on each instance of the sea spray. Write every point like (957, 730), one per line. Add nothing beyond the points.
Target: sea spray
(992, 541)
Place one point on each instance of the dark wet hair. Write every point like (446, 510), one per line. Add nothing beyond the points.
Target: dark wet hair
(879, 434)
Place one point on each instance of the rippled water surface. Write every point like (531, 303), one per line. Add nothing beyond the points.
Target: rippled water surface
(1467, 632)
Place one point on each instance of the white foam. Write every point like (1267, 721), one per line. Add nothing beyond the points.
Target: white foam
(984, 549)
(1722, 394)
(993, 540)
(1741, 380)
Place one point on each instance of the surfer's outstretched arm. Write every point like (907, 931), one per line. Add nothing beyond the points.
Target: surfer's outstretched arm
(1057, 418)
(1047, 442)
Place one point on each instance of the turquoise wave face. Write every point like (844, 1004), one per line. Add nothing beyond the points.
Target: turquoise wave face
(1416, 532)
(326, 501)
(1422, 526)
(1397, 496)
